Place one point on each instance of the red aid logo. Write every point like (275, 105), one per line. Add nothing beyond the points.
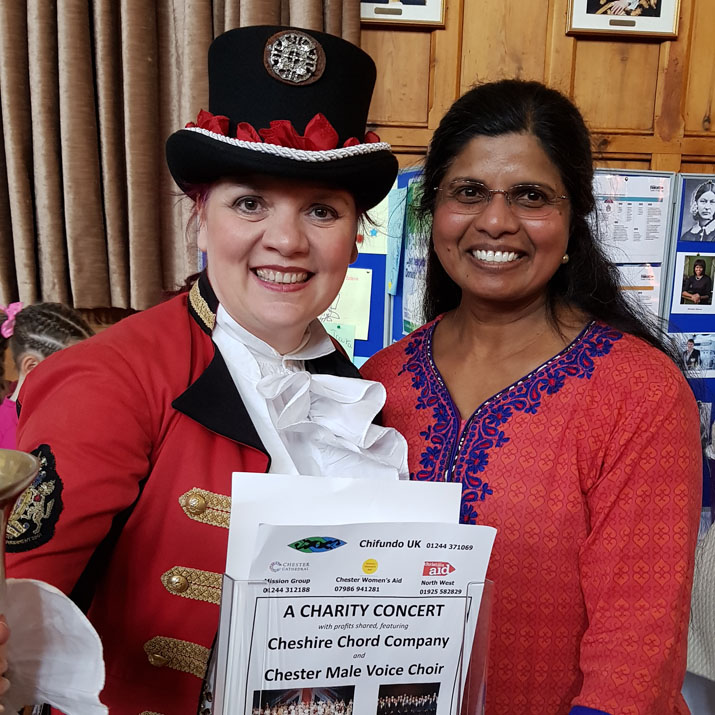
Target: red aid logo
(437, 568)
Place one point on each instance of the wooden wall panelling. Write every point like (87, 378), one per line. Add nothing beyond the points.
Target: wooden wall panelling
(691, 166)
(614, 83)
(560, 49)
(409, 161)
(401, 94)
(445, 61)
(665, 162)
(635, 164)
(503, 39)
(670, 91)
(700, 95)
(648, 102)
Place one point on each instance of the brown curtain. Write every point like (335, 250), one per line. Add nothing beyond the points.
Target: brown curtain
(89, 91)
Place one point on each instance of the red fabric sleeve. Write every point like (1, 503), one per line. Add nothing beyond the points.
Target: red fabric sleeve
(636, 564)
(93, 416)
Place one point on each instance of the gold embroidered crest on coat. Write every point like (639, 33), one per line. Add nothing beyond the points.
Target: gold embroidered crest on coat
(32, 521)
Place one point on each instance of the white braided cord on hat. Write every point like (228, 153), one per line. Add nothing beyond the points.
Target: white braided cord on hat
(296, 154)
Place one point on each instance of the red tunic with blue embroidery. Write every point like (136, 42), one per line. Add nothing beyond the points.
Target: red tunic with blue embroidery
(590, 469)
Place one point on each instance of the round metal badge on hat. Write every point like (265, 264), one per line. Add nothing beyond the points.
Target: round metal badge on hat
(294, 58)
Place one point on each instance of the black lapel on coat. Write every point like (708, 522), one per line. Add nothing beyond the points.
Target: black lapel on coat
(212, 400)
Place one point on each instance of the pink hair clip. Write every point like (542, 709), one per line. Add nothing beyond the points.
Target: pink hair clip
(8, 325)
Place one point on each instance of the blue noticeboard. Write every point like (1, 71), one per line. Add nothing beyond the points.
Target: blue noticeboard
(689, 320)
(376, 330)
(396, 332)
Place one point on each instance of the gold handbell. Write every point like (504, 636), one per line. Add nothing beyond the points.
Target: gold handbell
(17, 470)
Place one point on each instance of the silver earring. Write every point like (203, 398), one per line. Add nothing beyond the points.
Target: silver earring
(565, 258)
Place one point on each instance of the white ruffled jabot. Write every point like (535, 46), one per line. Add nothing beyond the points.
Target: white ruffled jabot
(334, 416)
(323, 422)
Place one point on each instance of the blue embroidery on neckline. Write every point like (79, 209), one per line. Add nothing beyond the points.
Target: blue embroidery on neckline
(482, 431)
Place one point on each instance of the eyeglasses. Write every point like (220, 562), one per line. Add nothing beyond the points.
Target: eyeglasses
(524, 200)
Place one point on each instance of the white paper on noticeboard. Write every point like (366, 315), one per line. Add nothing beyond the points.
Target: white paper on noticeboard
(292, 499)
(415, 268)
(352, 304)
(632, 212)
(642, 283)
(344, 333)
(397, 202)
(374, 233)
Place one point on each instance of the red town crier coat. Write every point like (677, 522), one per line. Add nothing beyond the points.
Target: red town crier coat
(138, 431)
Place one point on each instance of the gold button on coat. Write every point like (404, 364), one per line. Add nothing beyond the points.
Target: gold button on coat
(178, 655)
(177, 583)
(196, 504)
(157, 660)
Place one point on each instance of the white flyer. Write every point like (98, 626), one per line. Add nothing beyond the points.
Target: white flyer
(641, 282)
(352, 303)
(287, 499)
(415, 268)
(633, 212)
(352, 618)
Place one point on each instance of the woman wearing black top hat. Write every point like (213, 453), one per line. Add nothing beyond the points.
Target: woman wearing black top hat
(140, 428)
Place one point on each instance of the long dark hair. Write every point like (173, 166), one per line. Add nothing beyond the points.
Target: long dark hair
(589, 281)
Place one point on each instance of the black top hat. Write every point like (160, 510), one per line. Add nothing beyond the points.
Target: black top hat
(287, 102)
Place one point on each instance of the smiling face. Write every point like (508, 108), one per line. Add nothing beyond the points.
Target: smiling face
(277, 252)
(698, 270)
(499, 260)
(706, 207)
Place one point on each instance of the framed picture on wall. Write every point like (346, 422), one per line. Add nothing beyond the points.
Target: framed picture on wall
(429, 13)
(645, 18)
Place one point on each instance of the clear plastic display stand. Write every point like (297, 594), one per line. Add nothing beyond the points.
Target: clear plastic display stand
(252, 614)
(473, 696)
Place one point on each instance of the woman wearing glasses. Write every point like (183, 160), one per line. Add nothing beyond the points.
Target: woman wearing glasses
(560, 410)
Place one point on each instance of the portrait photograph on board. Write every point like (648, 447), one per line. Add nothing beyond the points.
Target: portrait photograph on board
(697, 351)
(696, 288)
(697, 209)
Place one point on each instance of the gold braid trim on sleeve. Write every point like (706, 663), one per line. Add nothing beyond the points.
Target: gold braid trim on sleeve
(207, 507)
(201, 307)
(193, 583)
(178, 655)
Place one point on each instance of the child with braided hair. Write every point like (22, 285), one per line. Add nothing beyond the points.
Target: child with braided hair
(33, 333)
